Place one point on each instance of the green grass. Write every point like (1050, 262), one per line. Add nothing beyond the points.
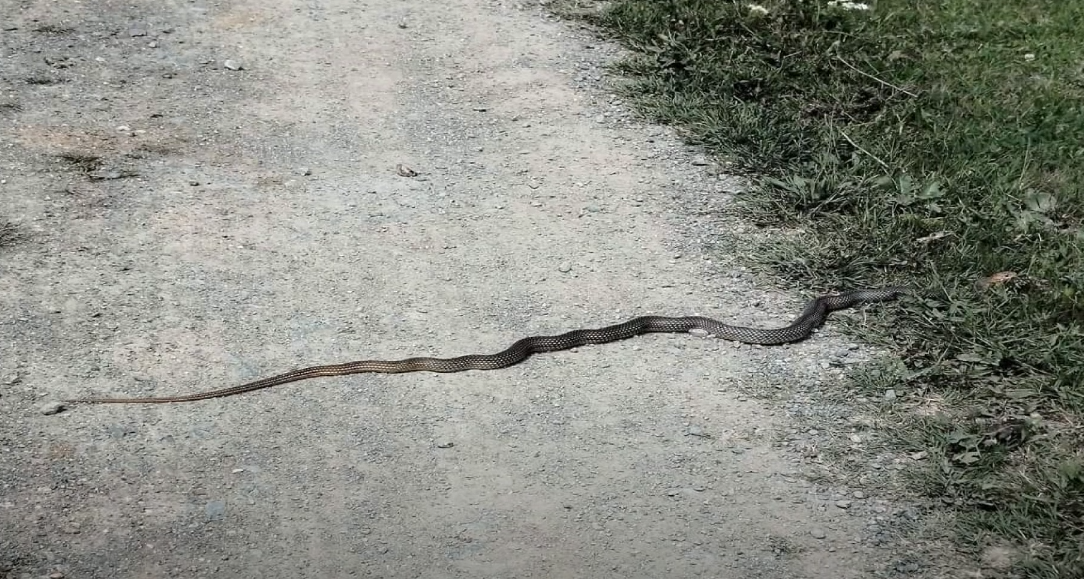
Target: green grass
(941, 142)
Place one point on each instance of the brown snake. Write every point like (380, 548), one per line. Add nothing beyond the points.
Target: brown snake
(801, 328)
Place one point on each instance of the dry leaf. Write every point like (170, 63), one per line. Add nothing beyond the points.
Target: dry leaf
(934, 236)
(996, 279)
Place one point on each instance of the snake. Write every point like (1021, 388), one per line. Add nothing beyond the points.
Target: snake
(812, 317)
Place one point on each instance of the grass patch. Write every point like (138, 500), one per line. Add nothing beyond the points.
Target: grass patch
(84, 162)
(40, 80)
(54, 29)
(8, 234)
(935, 143)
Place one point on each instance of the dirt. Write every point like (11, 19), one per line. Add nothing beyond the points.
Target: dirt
(196, 194)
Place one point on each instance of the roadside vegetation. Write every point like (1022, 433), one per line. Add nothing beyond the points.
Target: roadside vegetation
(935, 144)
(8, 234)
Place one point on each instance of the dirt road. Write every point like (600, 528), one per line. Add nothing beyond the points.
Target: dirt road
(203, 193)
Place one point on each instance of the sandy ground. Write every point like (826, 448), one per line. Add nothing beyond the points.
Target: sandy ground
(204, 193)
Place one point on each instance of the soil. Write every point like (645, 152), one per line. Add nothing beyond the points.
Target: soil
(196, 194)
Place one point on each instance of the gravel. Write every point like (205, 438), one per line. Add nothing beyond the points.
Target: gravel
(244, 224)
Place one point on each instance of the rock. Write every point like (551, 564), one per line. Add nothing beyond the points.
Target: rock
(890, 394)
(444, 443)
(564, 267)
(859, 495)
(231, 64)
(817, 533)
(843, 504)
(51, 407)
(908, 568)
(215, 509)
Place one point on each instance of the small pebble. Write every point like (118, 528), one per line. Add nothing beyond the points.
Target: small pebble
(817, 533)
(859, 495)
(890, 394)
(233, 64)
(304, 171)
(445, 443)
(51, 407)
(564, 267)
(844, 504)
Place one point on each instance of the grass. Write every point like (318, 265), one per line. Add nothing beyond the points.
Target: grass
(9, 235)
(941, 142)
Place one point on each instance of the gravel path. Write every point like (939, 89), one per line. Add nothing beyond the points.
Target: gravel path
(201, 194)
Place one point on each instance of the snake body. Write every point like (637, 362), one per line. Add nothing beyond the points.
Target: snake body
(814, 314)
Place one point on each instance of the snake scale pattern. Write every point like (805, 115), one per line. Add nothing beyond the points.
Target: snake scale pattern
(801, 328)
